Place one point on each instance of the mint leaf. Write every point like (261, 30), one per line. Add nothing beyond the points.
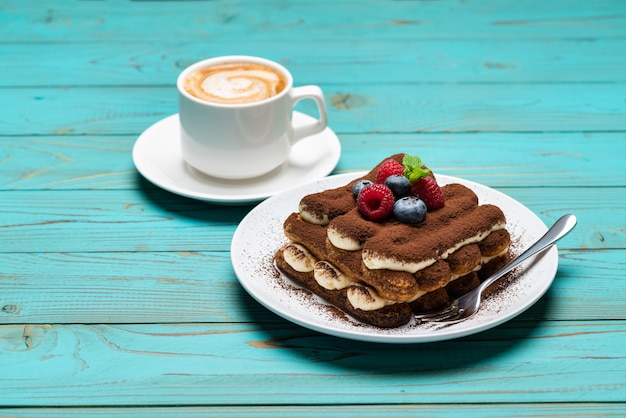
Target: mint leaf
(414, 168)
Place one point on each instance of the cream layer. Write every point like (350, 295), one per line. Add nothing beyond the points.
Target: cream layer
(376, 261)
(360, 296)
(311, 217)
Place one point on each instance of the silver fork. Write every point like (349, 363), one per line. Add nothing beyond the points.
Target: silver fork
(468, 304)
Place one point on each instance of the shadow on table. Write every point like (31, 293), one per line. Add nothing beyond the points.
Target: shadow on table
(189, 208)
(357, 356)
(350, 355)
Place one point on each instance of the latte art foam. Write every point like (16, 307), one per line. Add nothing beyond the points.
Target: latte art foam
(235, 83)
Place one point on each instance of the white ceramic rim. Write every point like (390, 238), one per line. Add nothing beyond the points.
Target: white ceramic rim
(260, 234)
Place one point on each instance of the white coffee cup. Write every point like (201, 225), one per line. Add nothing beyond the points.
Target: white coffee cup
(247, 139)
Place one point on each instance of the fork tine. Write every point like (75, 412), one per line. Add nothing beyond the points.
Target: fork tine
(444, 317)
(447, 312)
(449, 319)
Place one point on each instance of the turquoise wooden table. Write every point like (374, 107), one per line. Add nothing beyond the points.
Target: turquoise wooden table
(119, 298)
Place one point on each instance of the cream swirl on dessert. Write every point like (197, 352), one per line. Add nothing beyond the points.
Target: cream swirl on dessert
(299, 258)
(342, 241)
(235, 83)
(365, 298)
(329, 277)
(313, 217)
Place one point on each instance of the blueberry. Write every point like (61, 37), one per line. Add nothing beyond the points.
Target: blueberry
(399, 185)
(409, 210)
(358, 186)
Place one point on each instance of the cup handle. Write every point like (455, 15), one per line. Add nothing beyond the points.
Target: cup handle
(314, 93)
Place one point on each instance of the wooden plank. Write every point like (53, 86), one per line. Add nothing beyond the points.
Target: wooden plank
(348, 61)
(214, 21)
(121, 287)
(143, 220)
(501, 160)
(62, 162)
(242, 364)
(154, 221)
(339, 411)
(65, 162)
(352, 108)
(526, 96)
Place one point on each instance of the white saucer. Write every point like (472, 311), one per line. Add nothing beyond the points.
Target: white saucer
(157, 157)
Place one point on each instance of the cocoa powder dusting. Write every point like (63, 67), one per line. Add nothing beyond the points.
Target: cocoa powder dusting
(462, 216)
(353, 225)
(442, 229)
(333, 202)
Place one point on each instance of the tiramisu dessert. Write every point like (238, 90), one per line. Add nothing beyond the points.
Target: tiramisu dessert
(393, 243)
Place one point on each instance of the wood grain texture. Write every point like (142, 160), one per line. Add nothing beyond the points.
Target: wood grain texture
(282, 364)
(145, 63)
(119, 298)
(406, 108)
(500, 160)
(290, 411)
(169, 287)
(154, 221)
(328, 20)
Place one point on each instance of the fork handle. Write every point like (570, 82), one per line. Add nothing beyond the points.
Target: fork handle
(560, 228)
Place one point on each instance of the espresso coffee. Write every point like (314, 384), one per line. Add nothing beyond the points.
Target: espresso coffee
(235, 83)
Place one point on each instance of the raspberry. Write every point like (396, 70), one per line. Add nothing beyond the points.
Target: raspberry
(375, 202)
(388, 168)
(427, 189)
